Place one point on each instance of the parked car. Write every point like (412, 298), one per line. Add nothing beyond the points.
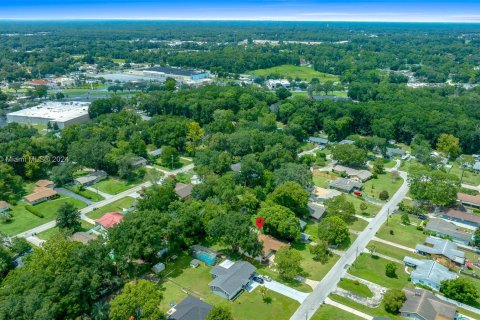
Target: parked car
(258, 279)
(422, 217)
(357, 193)
(267, 278)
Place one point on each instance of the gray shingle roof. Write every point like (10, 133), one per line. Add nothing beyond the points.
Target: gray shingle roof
(426, 305)
(447, 228)
(319, 140)
(233, 279)
(191, 308)
(236, 167)
(316, 210)
(345, 184)
(442, 247)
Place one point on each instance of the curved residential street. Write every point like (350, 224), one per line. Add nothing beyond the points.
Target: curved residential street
(319, 295)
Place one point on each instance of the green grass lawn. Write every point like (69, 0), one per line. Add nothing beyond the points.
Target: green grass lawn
(373, 269)
(394, 252)
(312, 230)
(355, 287)
(375, 312)
(358, 225)
(389, 163)
(118, 205)
(407, 236)
(387, 182)
(53, 232)
(195, 281)
(321, 182)
(115, 185)
(181, 163)
(300, 94)
(291, 71)
(313, 269)
(371, 210)
(307, 146)
(469, 177)
(86, 193)
(184, 177)
(24, 220)
(327, 312)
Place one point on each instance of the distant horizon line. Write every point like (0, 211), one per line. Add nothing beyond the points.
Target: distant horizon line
(229, 20)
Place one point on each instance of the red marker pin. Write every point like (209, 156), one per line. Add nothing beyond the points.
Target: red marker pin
(260, 221)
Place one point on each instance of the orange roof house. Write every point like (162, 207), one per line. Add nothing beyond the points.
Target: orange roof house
(40, 194)
(44, 184)
(110, 219)
(270, 245)
(39, 82)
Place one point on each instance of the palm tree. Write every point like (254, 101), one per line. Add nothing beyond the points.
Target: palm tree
(99, 311)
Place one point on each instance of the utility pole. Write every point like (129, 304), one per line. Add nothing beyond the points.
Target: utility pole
(172, 161)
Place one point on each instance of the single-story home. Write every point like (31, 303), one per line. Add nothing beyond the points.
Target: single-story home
(140, 162)
(444, 228)
(82, 237)
(428, 272)
(155, 153)
(91, 178)
(231, 278)
(346, 185)
(4, 206)
(462, 217)
(469, 200)
(346, 141)
(44, 184)
(270, 246)
(319, 141)
(190, 308)
(424, 305)
(359, 175)
(321, 194)
(441, 247)
(236, 167)
(394, 152)
(40, 195)
(159, 267)
(183, 190)
(109, 220)
(316, 210)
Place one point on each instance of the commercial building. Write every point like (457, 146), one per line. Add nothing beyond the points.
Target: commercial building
(61, 113)
(181, 75)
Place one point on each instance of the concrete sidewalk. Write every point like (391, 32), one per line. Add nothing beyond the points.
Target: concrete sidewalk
(348, 309)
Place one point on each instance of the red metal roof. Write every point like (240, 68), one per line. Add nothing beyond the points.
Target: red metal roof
(110, 219)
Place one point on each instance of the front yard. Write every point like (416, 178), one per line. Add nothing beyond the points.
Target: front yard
(327, 312)
(374, 312)
(24, 220)
(86, 193)
(181, 278)
(371, 211)
(385, 182)
(54, 232)
(114, 185)
(118, 205)
(404, 235)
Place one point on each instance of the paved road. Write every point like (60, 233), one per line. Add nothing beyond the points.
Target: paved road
(329, 282)
(286, 290)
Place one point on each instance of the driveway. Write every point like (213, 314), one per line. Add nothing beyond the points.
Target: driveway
(286, 290)
(74, 195)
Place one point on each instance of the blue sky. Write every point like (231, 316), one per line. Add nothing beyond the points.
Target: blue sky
(300, 10)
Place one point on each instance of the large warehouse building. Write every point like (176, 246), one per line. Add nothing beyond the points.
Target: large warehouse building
(61, 113)
(181, 75)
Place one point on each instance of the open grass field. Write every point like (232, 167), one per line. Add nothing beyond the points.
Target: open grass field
(371, 210)
(181, 163)
(386, 182)
(375, 312)
(407, 236)
(291, 71)
(327, 312)
(321, 181)
(355, 287)
(54, 232)
(181, 278)
(114, 185)
(118, 205)
(24, 220)
(373, 269)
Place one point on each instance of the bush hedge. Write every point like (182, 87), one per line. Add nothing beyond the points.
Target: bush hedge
(35, 211)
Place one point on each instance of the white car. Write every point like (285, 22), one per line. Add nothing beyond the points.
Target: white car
(267, 278)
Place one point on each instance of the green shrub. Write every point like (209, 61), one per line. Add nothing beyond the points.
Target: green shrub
(420, 228)
(35, 211)
(384, 195)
